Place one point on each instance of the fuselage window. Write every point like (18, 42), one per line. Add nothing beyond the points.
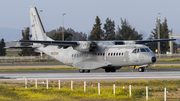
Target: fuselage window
(142, 50)
(77, 55)
(103, 54)
(111, 54)
(116, 54)
(72, 55)
(98, 54)
(108, 54)
(119, 54)
(122, 53)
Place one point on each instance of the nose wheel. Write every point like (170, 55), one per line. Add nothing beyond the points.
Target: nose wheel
(141, 69)
(84, 70)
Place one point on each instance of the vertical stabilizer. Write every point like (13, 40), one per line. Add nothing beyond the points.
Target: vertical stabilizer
(38, 32)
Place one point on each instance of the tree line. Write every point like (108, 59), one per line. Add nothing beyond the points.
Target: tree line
(2, 48)
(124, 32)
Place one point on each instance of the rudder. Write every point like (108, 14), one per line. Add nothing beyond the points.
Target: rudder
(38, 32)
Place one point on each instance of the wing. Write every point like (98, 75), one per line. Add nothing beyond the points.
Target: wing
(141, 41)
(57, 43)
(88, 46)
(20, 47)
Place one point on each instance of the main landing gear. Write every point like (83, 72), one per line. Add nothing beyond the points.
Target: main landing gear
(84, 70)
(141, 69)
(110, 70)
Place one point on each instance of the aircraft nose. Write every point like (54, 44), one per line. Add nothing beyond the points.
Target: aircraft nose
(153, 59)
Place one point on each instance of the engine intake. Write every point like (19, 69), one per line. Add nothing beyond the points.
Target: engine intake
(85, 46)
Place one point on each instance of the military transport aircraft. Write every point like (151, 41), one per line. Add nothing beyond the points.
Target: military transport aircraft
(89, 55)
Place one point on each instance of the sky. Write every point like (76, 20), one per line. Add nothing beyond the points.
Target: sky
(81, 14)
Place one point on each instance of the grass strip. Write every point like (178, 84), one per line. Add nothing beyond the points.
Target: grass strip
(16, 91)
(164, 60)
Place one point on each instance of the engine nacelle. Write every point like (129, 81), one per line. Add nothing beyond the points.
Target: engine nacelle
(85, 46)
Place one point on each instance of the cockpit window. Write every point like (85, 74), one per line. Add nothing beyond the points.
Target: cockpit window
(134, 51)
(148, 50)
(142, 50)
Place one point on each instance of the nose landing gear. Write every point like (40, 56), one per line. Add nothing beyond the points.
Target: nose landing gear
(141, 69)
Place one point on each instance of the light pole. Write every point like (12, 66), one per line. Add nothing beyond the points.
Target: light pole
(159, 49)
(63, 26)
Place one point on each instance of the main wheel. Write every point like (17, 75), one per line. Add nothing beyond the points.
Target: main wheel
(107, 70)
(81, 71)
(113, 70)
(141, 69)
(87, 71)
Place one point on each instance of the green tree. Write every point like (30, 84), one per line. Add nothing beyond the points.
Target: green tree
(126, 32)
(76, 36)
(109, 28)
(163, 35)
(58, 36)
(96, 33)
(2, 48)
(27, 36)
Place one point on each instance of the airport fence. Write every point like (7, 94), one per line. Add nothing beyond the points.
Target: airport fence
(115, 90)
(167, 56)
(27, 59)
(39, 59)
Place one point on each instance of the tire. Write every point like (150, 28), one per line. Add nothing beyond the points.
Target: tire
(141, 69)
(81, 71)
(87, 71)
(113, 70)
(107, 70)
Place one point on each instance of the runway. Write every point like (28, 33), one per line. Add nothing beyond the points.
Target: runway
(173, 73)
(116, 75)
(51, 64)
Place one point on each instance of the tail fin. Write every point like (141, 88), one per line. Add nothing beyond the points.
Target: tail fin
(38, 32)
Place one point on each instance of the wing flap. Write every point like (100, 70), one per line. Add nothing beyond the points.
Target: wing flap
(20, 47)
(58, 43)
